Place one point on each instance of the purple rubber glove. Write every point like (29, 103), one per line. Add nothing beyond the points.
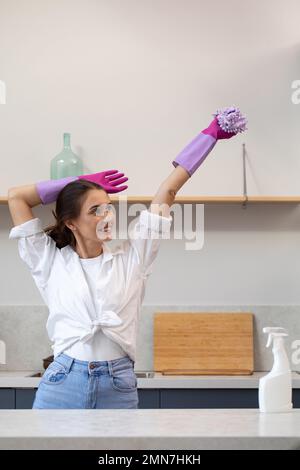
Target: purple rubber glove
(109, 180)
(227, 123)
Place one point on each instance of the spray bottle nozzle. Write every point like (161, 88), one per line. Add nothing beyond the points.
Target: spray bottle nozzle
(274, 332)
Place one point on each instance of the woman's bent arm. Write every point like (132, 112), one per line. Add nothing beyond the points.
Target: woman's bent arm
(20, 201)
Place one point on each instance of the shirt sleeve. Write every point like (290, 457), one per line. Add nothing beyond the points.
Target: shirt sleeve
(36, 249)
(146, 236)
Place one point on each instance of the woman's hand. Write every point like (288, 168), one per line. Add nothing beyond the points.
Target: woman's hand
(227, 123)
(109, 180)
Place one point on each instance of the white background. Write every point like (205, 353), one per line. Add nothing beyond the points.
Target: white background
(134, 81)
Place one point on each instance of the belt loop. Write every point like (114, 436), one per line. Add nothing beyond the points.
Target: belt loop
(70, 363)
(110, 368)
(66, 361)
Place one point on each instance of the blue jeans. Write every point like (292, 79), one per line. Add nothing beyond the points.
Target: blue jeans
(71, 383)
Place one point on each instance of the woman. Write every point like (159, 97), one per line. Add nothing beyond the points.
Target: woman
(94, 293)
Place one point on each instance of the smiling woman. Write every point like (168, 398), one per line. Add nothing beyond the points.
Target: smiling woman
(94, 293)
(77, 219)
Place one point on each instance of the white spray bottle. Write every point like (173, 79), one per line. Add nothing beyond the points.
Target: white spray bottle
(275, 388)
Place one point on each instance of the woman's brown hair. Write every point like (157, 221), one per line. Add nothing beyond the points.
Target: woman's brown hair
(68, 206)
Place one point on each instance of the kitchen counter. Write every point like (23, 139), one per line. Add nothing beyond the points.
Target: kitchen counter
(112, 429)
(23, 379)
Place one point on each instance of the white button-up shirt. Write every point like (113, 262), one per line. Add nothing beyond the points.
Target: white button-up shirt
(74, 315)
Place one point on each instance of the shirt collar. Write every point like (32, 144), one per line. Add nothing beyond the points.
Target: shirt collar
(108, 253)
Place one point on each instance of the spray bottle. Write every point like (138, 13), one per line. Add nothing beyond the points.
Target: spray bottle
(275, 388)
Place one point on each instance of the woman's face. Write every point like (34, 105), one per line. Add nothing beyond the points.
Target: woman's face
(96, 219)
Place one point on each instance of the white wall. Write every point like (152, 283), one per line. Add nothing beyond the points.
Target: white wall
(134, 81)
(250, 256)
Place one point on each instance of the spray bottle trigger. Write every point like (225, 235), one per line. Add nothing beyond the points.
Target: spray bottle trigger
(273, 334)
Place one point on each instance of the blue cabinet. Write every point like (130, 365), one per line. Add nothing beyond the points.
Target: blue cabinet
(22, 398)
(25, 398)
(296, 398)
(215, 398)
(7, 398)
(209, 398)
(149, 398)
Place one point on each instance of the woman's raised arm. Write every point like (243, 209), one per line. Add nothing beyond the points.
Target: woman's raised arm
(165, 196)
(227, 123)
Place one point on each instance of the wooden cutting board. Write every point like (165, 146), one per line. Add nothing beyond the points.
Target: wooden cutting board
(203, 343)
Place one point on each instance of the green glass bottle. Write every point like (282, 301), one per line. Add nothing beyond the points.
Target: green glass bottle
(66, 163)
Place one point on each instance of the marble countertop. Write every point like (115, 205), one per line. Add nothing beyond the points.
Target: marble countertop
(112, 429)
(23, 379)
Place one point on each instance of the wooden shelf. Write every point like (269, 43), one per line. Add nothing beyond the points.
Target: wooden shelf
(208, 199)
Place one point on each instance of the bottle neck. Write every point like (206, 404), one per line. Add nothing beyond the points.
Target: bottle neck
(67, 141)
(281, 361)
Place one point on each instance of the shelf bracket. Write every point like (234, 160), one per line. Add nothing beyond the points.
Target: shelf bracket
(244, 205)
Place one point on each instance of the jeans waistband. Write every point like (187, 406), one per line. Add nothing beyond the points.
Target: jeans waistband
(94, 366)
